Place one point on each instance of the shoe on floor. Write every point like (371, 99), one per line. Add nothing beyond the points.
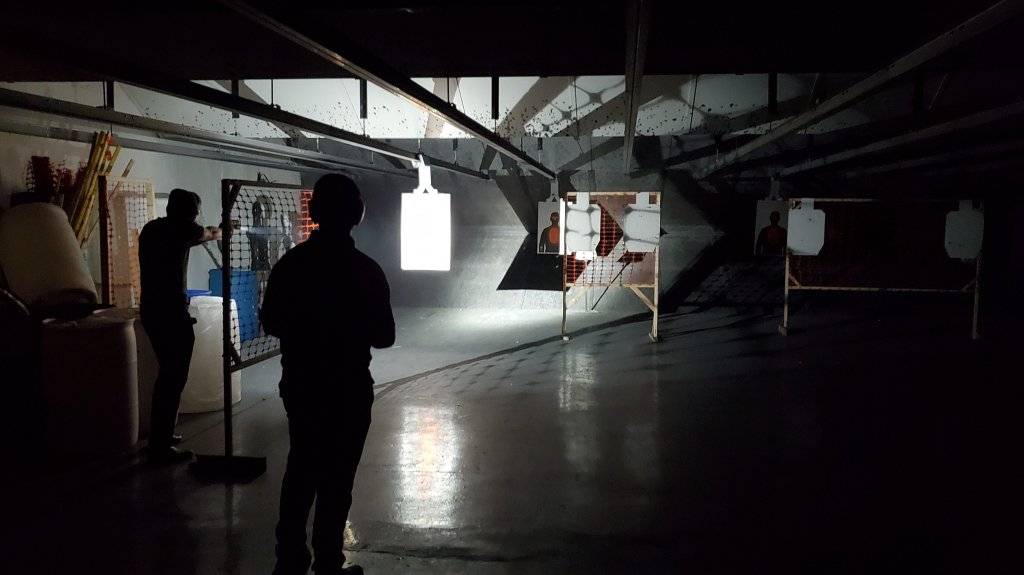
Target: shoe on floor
(169, 455)
(176, 439)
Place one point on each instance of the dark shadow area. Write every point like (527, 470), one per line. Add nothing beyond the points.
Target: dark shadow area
(530, 270)
(875, 441)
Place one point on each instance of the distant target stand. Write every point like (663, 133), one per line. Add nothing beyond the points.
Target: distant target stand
(871, 245)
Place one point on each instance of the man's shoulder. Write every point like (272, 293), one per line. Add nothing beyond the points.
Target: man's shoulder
(169, 226)
(153, 224)
(369, 267)
(154, 228)
(364, 260)
(294, 255)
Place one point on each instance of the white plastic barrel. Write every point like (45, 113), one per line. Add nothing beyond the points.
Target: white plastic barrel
(89, 384)
(41, 257)
(205, 388)
(147, 364)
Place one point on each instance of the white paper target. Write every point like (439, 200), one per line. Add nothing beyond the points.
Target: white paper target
(965, 229)
(582, 225)
(806, 234)
(549, 228)
(426, 231)
(641, 225)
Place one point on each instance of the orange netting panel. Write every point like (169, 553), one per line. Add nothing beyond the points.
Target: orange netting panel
(613, 264)
(304, 224)
(130, 205)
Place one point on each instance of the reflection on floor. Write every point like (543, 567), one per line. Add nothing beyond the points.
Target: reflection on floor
(854, 445)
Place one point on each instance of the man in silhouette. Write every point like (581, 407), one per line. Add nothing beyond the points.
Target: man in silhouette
(163, 258)
(772, 239)
(329, 304)
(549, 238)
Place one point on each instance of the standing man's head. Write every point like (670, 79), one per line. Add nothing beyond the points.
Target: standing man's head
(336, 203)
(183, 205)
(774, 217)
(554, 218)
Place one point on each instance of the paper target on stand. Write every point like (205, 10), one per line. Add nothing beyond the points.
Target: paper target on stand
(806, 235)
(582, 225)
(549, 227)
(641, 225)
(965, 229)
(426, 226)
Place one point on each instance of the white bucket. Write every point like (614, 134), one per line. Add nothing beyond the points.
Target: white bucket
(205, 388)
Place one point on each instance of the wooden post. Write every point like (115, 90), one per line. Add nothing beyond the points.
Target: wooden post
(565, 293)
(104, 242)
(784, 328)
(657, 292)
(975, 334)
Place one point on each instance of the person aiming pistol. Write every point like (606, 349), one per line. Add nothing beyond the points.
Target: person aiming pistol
(163, 258)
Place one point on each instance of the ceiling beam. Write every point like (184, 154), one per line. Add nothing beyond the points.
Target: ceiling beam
(954, 156)
(71, 135)
(971, 28)
(246, 91)
(86, 60)
(638, 27)
(1012, 164)
(42, 104)
(965, 123)
(390, 80)
(211, 97)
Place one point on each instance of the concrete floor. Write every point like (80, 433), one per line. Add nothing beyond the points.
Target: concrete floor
(861, 443)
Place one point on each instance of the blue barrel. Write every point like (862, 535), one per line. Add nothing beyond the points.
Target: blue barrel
(244, 293)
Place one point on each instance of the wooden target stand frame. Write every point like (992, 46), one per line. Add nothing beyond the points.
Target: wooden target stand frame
(651, 302)
(793, 284)
(972, 287)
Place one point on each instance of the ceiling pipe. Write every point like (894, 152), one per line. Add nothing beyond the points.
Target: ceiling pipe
(965, 123)
(42, 104)
(70, 135)
(946, 158)
(211, 97)
(971, 28)
(388, 79)
(85, 61)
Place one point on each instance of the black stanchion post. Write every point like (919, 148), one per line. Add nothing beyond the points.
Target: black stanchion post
(228, 468)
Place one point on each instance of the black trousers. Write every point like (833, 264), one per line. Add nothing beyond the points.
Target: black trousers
(326, 442)
(172, 338)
